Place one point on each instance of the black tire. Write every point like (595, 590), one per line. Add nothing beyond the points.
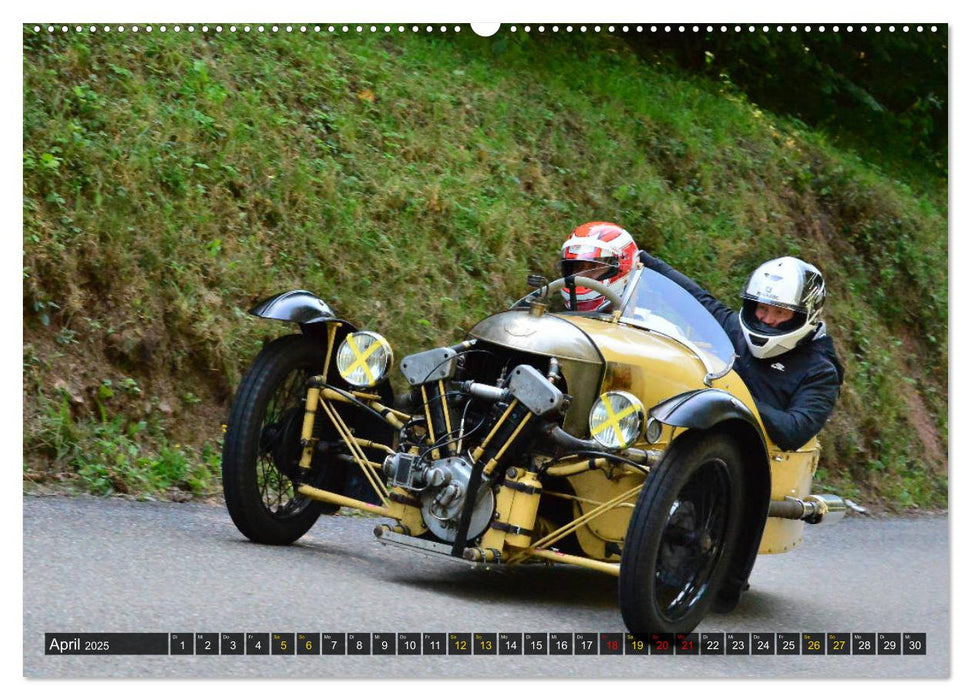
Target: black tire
(682, 535)
(261, 449)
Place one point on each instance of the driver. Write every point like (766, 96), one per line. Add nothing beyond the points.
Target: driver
(784, 355)
(601, 251)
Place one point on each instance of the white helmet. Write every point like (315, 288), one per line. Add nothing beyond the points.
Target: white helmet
(789, 283)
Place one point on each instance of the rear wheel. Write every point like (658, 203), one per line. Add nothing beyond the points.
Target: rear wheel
(261, 451)
(682, 536)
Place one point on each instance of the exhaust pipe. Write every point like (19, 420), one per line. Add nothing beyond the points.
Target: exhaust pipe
(814, 510)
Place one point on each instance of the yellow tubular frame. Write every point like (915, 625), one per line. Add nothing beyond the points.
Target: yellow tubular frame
(370, 473)
(322, 398)
(490, 467)
(337, 499)
(606, 567)
(428, 422)
(477, 452)
(445, 411)
(541, 544)
(310, 408)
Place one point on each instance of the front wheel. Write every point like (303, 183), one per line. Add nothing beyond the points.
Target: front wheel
(682, 535)
(261, 450)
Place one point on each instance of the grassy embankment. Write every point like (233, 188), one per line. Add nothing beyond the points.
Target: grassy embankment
(170, 181)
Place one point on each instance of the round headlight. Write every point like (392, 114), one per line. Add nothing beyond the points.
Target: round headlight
(363, 359)
(616, 419)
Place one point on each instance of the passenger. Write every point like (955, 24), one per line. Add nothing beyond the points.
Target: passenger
(785, 357)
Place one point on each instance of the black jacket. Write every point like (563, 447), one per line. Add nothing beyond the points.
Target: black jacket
(795, 392)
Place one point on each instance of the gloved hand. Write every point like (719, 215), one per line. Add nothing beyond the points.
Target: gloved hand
(647, 259)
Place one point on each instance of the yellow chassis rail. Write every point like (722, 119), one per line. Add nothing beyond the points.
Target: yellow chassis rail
(337, 499)
(587, 563)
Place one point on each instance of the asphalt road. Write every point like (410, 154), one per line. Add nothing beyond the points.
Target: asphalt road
(110, 565)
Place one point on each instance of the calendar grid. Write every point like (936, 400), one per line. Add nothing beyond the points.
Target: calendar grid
(484, 644)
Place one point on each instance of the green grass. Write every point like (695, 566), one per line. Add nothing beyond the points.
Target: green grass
(117, 453)
(171, 181)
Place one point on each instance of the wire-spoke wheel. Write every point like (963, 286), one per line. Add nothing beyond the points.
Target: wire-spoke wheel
(681, 536)
(261, 451)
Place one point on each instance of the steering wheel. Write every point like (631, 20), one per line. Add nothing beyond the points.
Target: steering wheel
(596, 285)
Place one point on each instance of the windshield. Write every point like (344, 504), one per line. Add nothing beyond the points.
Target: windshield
(660, 305)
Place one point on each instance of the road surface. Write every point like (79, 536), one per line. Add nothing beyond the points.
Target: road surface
(110, 565)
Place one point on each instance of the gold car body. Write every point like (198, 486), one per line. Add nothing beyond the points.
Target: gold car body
(654, 367)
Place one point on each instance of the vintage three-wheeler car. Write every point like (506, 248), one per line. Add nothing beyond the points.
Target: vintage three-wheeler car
(622, 441)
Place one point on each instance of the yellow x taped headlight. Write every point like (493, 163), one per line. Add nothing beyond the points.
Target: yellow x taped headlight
(616, 419)
(363, 358)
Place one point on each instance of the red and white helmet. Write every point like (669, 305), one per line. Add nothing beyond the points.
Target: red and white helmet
(602, 251)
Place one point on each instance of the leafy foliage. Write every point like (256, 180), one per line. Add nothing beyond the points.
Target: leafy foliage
(882, 90)
(117, 454)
